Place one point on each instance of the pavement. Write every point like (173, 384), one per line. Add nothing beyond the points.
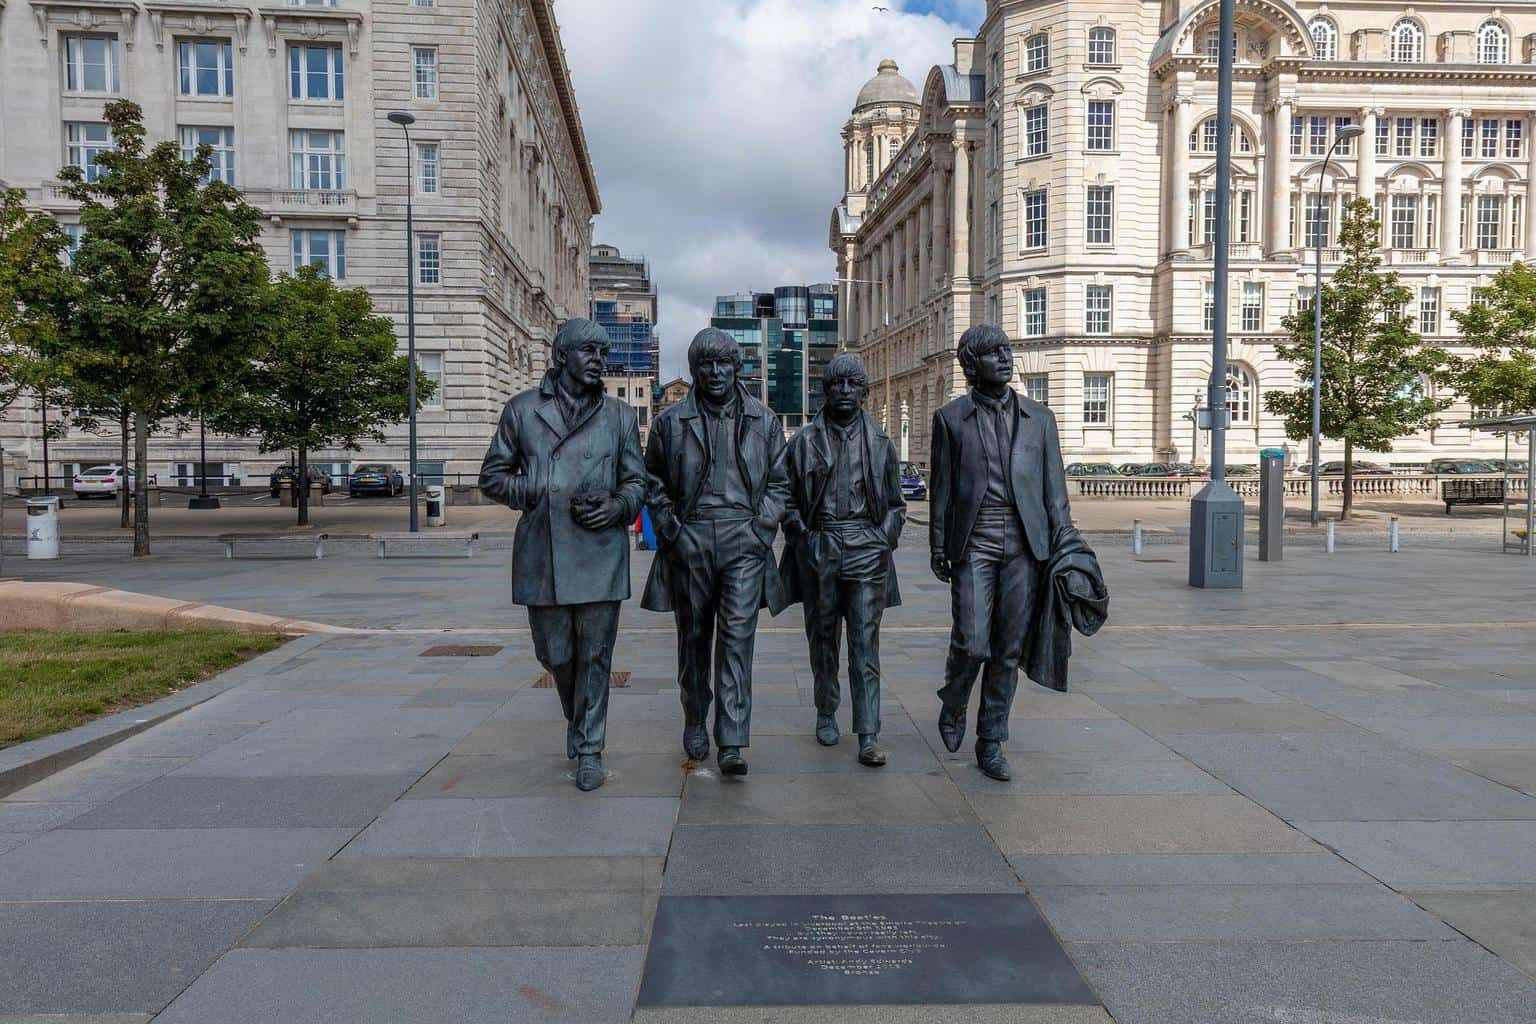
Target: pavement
(1312, 801)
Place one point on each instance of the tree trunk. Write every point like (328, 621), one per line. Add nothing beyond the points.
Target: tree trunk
(141, 485)
(123, 497)
(1349, 478)
(301, 487)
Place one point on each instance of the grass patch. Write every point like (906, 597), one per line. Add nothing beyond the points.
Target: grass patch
(51, 681)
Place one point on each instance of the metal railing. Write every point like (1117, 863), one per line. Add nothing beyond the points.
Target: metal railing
(1407, 485)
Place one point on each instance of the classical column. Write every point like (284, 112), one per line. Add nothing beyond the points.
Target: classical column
(1365, 169)
(1278, 230)
(1178, 177)
(962, 204)
(941, 221)
(1530, 190)
(1450, 188)
(926, 252)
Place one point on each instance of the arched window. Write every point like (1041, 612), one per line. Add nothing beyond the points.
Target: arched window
(1325, 38)
(1203, 138)
(1240, 394)
(869, 161)
(1492, 43)
(1407, 42)
(1101, 46)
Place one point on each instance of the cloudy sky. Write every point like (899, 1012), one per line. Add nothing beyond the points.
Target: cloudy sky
(714, 127)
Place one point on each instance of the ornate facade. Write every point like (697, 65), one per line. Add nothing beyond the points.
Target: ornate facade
(1060, 181)
(294, 100)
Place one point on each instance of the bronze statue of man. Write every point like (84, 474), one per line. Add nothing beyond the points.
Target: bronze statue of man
(717, 493)
(844, 519)
(998, 511)
(568, 457)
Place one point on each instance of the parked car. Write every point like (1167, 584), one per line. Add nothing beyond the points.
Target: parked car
(1510, 465)
(1092, 469)
(1242, 471)
(914, 487)
(1130, 468)
(376, 478)
(106, 480)
(318, 478)
(1362, 468)
(1184, 469)
(1459, 467)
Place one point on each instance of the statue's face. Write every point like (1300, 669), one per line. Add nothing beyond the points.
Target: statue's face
(715, 375)
(994, 364)
(845, 395)
(583, 366)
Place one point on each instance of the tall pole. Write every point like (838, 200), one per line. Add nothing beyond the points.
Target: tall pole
(47, 481)
(405, 120)
(202, 452)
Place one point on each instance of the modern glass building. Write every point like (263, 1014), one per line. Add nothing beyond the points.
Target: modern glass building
(624, 302)
(787, 337)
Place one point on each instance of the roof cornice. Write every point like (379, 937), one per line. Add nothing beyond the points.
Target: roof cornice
(554, 53)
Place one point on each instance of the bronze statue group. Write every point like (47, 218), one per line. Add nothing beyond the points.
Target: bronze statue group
(719, 481)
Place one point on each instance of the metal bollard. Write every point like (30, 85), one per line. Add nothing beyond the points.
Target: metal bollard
(1392, 540)
(1330, 538)
(1136, 536)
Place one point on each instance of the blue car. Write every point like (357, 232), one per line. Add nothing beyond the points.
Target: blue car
(376, 479)
(913, 486)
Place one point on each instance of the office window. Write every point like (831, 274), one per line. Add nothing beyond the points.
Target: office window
(424, 64)
(994, 310)
(429, 365)
(1429, 310)
(1032, 304)
(206, 68)
(1514, 137)
(1098, 301)
(1037, 52)
(1097, 388)
(1317, 135)
(315, 73)
(429, 259)
(1383, 136)
(1207, 216)
(325, 249)
(221, 141)
(1242, 224)
(1239, 394)
(1516, 222)
(994, 231)
(318, 159)
(1490, 219)
(1468, 135)
(1304, 296)
(73, 232)
(1101, 126)
(1429, 222)
(1037, 387)
(1099, 222)
(1346, 147)
(1404, 137)
(1208, 320)
(1298, 125)
(422, 3)
(995, 145)
(1318, 215)
(1034, 235)
(1407, 42)
(1403, 228)
(1036, 131)
(1479, 296)
(1429, 136)
(1101, 46)
(1492, 43)
(90, 64)
(84, 141)
(311, 3)
(1489, 138)
(1325, 38)
(1253, 306)
(426, 168)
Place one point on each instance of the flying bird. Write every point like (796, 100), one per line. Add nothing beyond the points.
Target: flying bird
(880, 8)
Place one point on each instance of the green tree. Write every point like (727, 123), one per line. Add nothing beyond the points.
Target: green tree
(172, 285)
(326, 375)
(1501, 327)
(1374, 362)
(36, 289)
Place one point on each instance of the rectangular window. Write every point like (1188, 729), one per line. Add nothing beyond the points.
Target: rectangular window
(1297, 123)
(1317, 135)
(995, 146)
(84, 142)
(222, 142)
(318, 158)
(1490, 138)
(1383, 136)
(1037, 388)
(994, 231)
(1101, 46)
(1514, 137)
(1032, 302)
(1100, 219)
(429, 259)
(1096, 399)
(1304, 296)
(429, 365)
(1479, 296)
(426, 168)
(1468, 136)
(1430, 239)
(311, 3)
(207, 68)
(1404, 137)
(1034, 220)
(325, 249)
(1101, 126)
(1243, 222)
(421, 3)
(1429, 311)
(315, 73)
(1516, 222)
(1405, 222)
(73, 232)
(1208, 216)
(1346, 146)
(1317, 217)
(90, 64)
(1098, 307)
(1429, 137)
(1253, 306)
(1490, 220)
(1208, 320)
(424, 65)
(1037, 52)
(1036, 131)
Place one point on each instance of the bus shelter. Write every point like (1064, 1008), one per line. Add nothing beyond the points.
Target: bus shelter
(1519, 513)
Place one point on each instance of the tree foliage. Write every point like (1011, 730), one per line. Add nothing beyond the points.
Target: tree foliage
(1374, 362)
(1501, 328)
(36, 290)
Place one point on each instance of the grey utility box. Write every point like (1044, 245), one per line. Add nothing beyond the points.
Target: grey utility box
(1271, 505)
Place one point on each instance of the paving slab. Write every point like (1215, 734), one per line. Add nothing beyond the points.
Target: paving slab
(112, 957)
(179, 801)
(871, 797)
(408, 986)
(1505, 731)
(724, 860)
(75, 1018)
(1305, 983)
(1135, 824)
(801, 754)
(970, 1013)
(520, 827)
(1088, 774)
(472, 776)
(97, 780)
(1379, 793)
(263, 757)
(1065, 736)
(1233, 718)
(1434, 855)
(1513, 768)
(520, 737)
(1216, 752)
(1187, 869)
(1504, 922)
(38, 816)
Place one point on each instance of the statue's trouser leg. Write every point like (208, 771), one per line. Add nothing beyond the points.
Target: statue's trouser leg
(597, 627)
(823, 621)
(972, 591)
(693, 603)
(739, 593)
(863, 605)
(554, 644)
(1013, 610)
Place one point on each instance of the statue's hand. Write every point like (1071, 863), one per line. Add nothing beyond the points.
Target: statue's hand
(941, 567)
(601, 515)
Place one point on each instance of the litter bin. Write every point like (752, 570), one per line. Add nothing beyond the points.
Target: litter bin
(43, 527)
(435, 505)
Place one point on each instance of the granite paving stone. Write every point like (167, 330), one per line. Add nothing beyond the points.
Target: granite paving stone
(1504, 922)
(1513, 768)
(1065, 736)
(182, 801)
(970, 1013)
(796, 754)
(525, 737)
(1088, 774)
(520, 827)
(1377, 793)
(1233, 718)
(1186, 869)
(1216, 752)
(97, 779)
(1135, 824)
(1504, 731)
(254, 756)
(38, 816)
(824, 799)
(1434, 855)
(10, 840)
(470, 776)
(75, 1018)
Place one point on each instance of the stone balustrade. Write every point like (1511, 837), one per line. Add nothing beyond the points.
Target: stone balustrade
(1406, 485)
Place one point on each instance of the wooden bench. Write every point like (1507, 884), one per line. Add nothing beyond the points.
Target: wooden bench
(1471, 491)
(229, 540)
(383, 540)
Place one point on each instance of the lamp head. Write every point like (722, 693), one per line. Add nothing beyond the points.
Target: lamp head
(402, 119)
(1349, 131)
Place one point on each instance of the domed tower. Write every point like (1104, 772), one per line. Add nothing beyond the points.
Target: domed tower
(884, 117)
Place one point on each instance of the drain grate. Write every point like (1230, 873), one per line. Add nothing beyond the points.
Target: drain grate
(616, 680)
(462, 651)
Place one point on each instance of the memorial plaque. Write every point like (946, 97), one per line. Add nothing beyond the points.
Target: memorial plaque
(855, 950)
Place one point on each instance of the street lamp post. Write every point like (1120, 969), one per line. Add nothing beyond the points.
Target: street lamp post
(405, 120)
(1345, 133)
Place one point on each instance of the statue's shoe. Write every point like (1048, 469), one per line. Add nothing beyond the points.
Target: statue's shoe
(826, 730)
(731, 761)
(951, 728)
(589, 772)
(696, 741)
(990, 759)
(870, 753)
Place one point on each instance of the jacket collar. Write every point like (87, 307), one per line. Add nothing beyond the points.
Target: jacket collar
(751, 408)
(970, 405)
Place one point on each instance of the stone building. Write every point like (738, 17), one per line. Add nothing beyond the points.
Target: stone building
(294, 101)
(1057, 177)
